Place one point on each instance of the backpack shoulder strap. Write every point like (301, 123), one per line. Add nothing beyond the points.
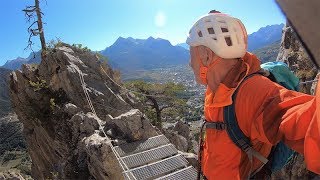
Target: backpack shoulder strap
(234, 131)
(230, 118)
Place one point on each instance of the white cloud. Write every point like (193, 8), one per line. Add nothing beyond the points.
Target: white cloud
(160, 19)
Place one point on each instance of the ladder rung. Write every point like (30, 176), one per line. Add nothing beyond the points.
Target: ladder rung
(149, 156)
(159, 168)
(138, 146)
(189, 173)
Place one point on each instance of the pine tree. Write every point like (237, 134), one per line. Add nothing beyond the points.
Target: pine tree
(159, 99)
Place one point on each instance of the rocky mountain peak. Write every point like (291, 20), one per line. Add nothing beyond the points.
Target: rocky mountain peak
(63, 135)
(130, 54)
(15, 63)
(264, 36)
(150, 38)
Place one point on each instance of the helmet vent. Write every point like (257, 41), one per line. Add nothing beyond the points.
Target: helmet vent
(223, 29)
(210, 30)
(228, 41)
(200, 34)
(214, 38)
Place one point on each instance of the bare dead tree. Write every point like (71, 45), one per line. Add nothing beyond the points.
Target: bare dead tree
(34, 14)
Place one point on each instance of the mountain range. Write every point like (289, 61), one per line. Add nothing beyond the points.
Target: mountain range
(184, 45)
(33, 58)
(15, 63)
(129, 54)
(264, 36)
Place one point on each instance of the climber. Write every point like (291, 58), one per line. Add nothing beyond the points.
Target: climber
(266, 112)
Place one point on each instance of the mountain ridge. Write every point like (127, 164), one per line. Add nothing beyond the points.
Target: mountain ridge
(264, 36)
(129, 54)
(33, 58)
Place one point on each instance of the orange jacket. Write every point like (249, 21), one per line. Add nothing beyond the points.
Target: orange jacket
(267, 113)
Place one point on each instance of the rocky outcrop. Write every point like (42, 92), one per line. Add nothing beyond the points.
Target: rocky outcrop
(295, 170)
(179, 135)
(293, 53)
(64, 134)
(180, 142)
(11, 175)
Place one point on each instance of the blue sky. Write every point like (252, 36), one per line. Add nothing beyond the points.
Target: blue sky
(98, 23)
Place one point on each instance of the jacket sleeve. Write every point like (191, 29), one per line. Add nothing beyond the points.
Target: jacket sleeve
(270, 113)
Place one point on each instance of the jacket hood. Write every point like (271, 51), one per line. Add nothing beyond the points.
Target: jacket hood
(223, 95)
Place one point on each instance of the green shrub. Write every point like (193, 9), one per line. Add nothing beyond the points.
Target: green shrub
(38, 85)
(54, 43)
(8, 157)
(80, 47)
(52, 103)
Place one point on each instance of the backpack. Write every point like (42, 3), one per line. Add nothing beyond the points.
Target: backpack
(280, 154)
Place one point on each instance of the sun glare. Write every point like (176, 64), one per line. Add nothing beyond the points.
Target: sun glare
(160, 19)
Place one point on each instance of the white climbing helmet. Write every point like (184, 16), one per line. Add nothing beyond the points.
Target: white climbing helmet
(226, 36)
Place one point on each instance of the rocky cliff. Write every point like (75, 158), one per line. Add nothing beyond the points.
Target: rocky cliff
(5, 105)
(64, 138)
(14, 159)
(293, 53)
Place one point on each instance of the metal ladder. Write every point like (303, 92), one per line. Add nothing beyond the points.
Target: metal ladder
(154, 158)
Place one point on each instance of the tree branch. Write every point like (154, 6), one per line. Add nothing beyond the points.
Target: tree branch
(32, 25)
(28, 7)
(30, 43)
(166, 106)
(29, 10)
(159, 93)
